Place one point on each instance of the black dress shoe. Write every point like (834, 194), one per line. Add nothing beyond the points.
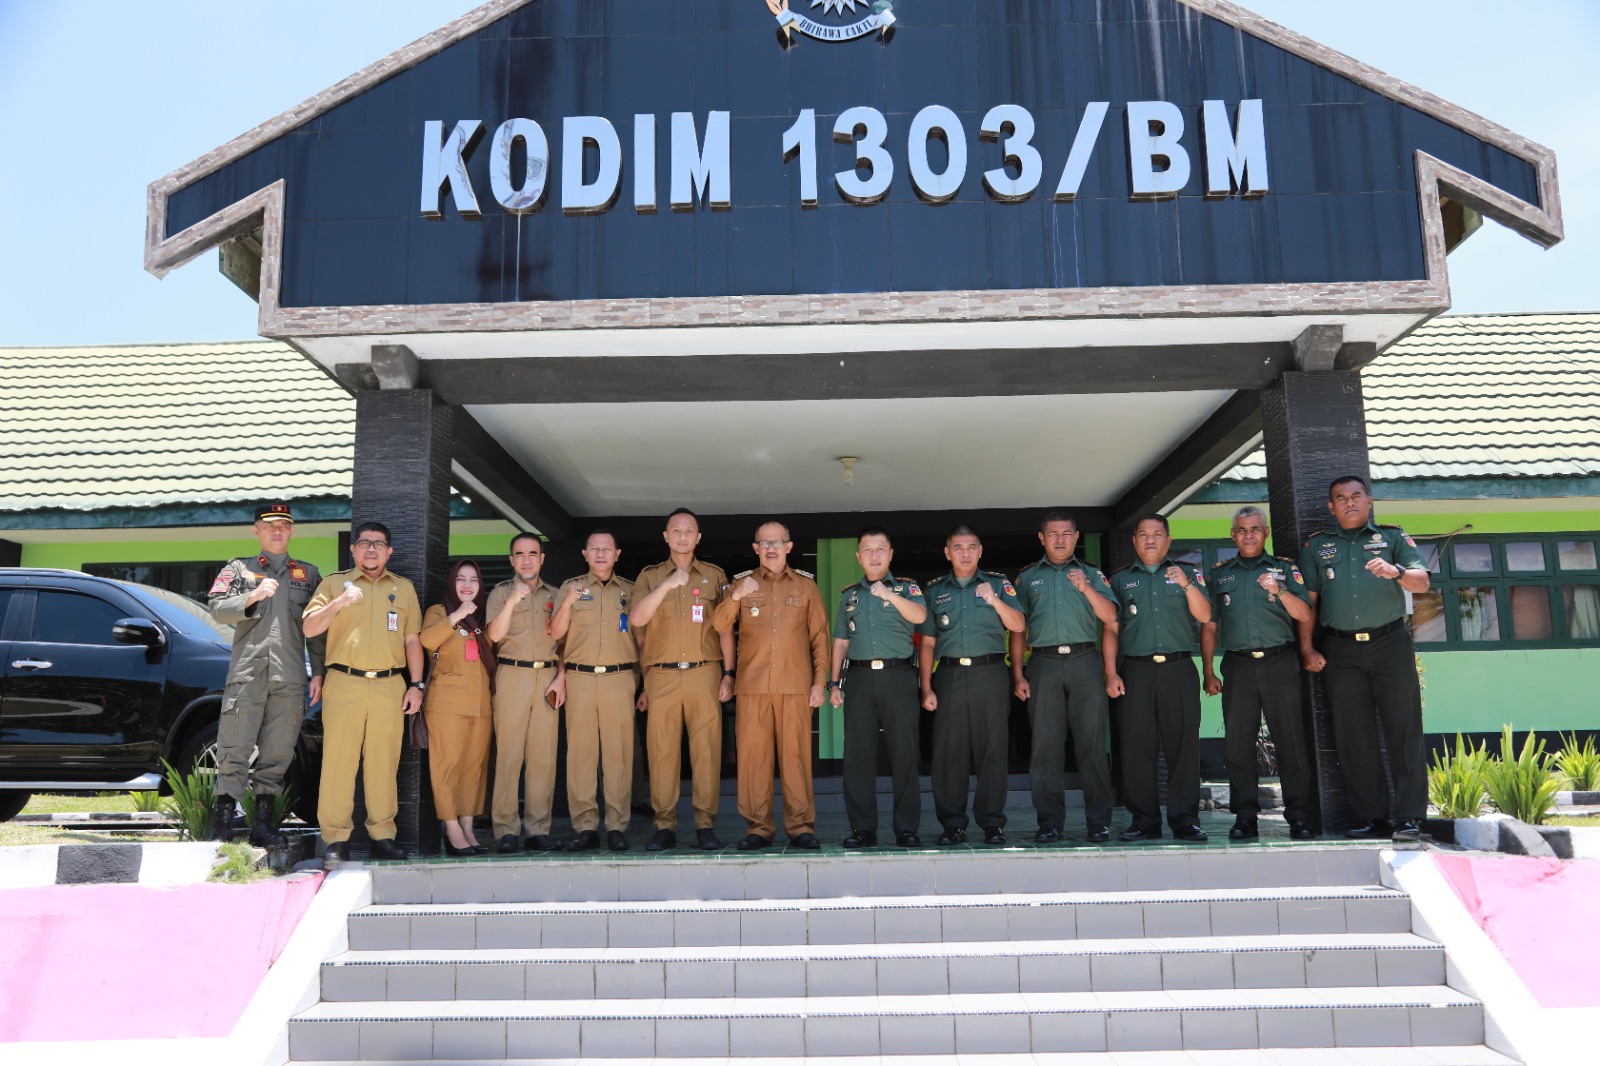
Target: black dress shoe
(334, 855)
(951, 837)
(389, 851)
(587, 840)
(1301, 830)
(615, 840)
(1406, 831)
(660, 840)
(1190, 834)
(1048, 834)
(807, 841)
(542, 842)
(1377, 829)
(1244, 828)
(1098, 834)
(449, 849)
(861, 838)
(911, 840)
(1133, 833)
(994, 836)
(643, 809)
(706, 840)
(753, 843)
(508, 845)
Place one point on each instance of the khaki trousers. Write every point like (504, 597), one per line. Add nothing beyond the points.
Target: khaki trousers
(458, 762)
(679, 699)
(600, 742)
(767, 724)
(362, 726)
(525, 731)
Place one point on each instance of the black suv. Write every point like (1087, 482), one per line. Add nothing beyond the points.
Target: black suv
(103, 679)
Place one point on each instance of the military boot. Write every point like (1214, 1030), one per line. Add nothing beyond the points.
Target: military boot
(262, 834)
(222, 819)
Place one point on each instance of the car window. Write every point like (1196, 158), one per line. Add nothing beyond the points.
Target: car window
(73, 618)
(5, 604)
(181, 613)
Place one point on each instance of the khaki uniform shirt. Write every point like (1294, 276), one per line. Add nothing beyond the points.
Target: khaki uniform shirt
(874, 627)
(783, 634)
(678, 632)
(1247, 618)
(457, 685)
(1334, 563)
(269, 632)
(370, 635)
(528, 636)
(598, 634)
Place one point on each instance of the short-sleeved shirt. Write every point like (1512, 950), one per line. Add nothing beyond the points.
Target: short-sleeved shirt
(960, 622)
(1247, 618)
(874, 628)
(598, 633)
(1349, 597)
(678, 632)
(370, 635)
(269, 640)
(1057, 612)
(783, 633)
(528, 636)
(1153, 616)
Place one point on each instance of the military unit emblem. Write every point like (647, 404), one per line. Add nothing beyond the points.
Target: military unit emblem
(880, 19)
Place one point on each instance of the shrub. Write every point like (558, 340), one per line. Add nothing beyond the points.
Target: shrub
(1579, 766)
(194, 795)
(146, 801)
(1522, 785)
(1457, 780)
(280, 807)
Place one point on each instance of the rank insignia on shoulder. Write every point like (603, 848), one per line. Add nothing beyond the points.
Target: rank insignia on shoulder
(1219, 562)
(742, 575)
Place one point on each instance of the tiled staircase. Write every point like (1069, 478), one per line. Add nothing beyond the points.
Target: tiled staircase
(928, 954)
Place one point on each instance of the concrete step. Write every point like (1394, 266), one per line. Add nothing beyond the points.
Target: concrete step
(883, 920)
(1395, 959)
(1474, 1055)
(996, 1023)
(734, 875)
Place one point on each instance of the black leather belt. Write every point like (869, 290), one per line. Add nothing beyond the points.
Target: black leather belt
(370, 675)
(878, 664)
(1364, 635)
(1166, 657)
(679, 666)
(1262, 653)
(971, 660)
(531, 664)
(615, 668)
(1064, 649)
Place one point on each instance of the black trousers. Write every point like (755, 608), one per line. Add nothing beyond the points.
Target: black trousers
(1069, 695)
(969, 735)
(1373, 685)
(1252, 688)
(1161, 713)
(883, 700)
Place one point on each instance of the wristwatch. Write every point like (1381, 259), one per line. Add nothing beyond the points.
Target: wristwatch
(729, 673)
(833, 684)
(420, 686)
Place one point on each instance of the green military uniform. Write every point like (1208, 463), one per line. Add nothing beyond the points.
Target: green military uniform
(1371, 676)
(969, 726)
(1067, 680)
(1161, 711)
(880, 693)
(265, 698)
(1260, 676)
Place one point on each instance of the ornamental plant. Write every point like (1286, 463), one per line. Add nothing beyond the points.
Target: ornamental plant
(1457, 780)
(1522, 785)
(1579, 766)
(193, 796)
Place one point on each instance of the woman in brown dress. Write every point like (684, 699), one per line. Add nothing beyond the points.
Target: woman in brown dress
(457, 707)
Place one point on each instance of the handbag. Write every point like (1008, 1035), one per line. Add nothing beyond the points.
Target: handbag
(419, 721)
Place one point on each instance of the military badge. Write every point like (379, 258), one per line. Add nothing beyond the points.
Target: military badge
(1010, 591)
(1133, 608)
(880, 20)
(1328, 573)
(944, 619)
(223, 582)
(1227, 601)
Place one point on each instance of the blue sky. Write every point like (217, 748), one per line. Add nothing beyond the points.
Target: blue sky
(100, 97)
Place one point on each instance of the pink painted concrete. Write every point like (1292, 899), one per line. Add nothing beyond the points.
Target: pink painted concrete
(1540, 914)
(117, 962)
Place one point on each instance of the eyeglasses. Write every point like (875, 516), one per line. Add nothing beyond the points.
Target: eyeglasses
(371, 545)
(771, 543)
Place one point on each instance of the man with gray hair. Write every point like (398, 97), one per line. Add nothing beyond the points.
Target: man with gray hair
(1256, 603)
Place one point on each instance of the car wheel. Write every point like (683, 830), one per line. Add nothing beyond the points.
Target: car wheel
(199, 750)
(12, 802)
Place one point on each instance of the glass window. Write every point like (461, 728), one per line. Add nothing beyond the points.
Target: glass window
(71, 618)
(1530, 612)
(1189, 556)
(1582, 603)
(1224, 554)
(1471, 557)
(1427, 620)
(1430, 555)
(1523, 556)
(1480, 613)
(1576, 554)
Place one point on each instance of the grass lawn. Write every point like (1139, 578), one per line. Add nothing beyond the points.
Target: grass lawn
(12, 834)
(1575, 821)
(80, 803)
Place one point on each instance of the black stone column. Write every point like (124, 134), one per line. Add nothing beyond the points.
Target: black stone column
(402, 479)
(1315, 429)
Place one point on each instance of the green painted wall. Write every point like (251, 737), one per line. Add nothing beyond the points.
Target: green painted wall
(836, 568)
(1479, 691)
(1424, 524)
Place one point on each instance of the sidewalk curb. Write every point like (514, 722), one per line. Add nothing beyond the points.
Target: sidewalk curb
(163, 863)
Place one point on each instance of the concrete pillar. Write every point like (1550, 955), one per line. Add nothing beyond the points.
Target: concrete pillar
(1315, 429)
(402, 479)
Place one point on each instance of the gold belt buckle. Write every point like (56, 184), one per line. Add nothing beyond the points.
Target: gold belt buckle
(877, 664)
(1064, 649)
(1258, 655)
(599, 669)
(1363, 637)
(964, 662)
(1158, 658)
(370, 675)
